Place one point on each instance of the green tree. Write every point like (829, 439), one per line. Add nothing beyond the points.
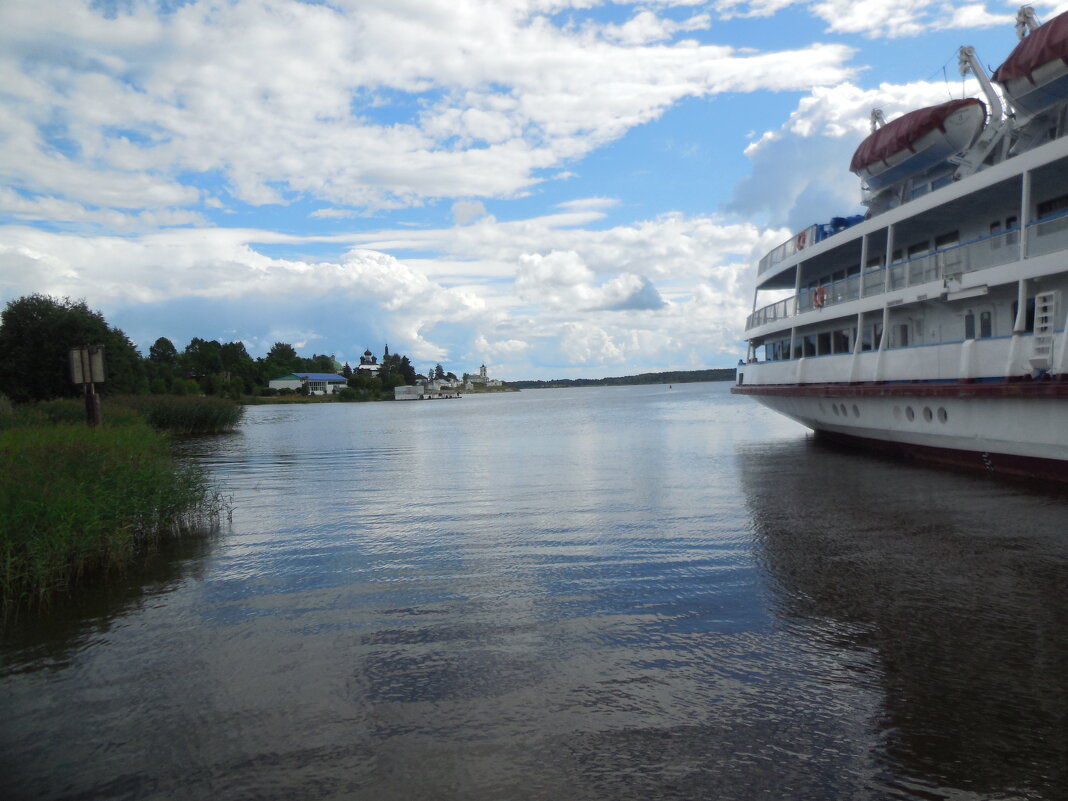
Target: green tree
(163, 353)
(439, 372)
(284, 357)
(202, 357)
(36, 335)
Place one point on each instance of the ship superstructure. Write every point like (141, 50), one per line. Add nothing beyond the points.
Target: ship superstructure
(936, 322)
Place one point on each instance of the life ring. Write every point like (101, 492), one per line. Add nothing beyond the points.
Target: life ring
(801, 241)
(819, 296)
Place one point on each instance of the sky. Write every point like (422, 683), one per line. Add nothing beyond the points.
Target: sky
(554, 188)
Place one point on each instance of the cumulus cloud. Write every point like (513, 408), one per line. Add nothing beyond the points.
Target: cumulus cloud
(877, 18)
(506, 291)
(117, 111)
(807, 158)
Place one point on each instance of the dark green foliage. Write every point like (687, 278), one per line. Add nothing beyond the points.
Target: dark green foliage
(182, 414)
(36, 335)
(75, 499)
(396, 370)
(163, 353)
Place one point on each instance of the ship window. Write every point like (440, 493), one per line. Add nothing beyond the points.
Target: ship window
(823, 344)
(1030, 325)
(995, 235)
(854, 270)
(900, 338)
(938, 183)
(1051, 207)
(969, 324)
(1012, 228)
(868, 338)
(784, 350)
(985, 324)
(875, 264)
(1054, 211)
(808, 345)
(919, 191)
(896, 255)
(919, 249)
(841, 340)
(945, 240)
(877, 334)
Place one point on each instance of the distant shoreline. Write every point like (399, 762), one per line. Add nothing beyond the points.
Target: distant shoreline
(672, 377)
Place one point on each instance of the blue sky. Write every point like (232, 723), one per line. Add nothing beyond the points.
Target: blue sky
(553, 187)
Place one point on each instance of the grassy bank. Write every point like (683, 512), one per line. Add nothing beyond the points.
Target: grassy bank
(75, 500)
(183, 415)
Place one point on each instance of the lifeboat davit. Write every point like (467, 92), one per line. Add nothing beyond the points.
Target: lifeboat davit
(1035, 75)
(917, 142)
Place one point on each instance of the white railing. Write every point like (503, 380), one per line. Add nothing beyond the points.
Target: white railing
(1044, 236)
(805, 238)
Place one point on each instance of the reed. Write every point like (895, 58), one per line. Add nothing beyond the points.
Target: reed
(181, 414)
(75, 500)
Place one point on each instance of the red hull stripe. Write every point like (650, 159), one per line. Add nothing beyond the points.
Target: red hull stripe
(995, 389)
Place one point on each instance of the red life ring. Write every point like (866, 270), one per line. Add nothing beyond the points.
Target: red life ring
(819, 295)
(801, 241)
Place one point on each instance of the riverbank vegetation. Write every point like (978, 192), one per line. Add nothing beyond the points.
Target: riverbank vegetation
(38, 331)
(671, 377)
(77, 501)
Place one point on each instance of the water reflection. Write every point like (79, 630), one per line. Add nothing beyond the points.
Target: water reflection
(51, 636)
(626, 594)
(957, 585)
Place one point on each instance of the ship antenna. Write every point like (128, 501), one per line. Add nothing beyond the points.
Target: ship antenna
(1026, 21)
(877, 119)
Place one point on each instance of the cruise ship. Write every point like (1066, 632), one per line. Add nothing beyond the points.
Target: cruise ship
(934, 324)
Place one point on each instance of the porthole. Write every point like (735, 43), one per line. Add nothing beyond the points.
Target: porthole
(835, 407)
(942, 415)
(928, 415)
(909, 414)
(856, 411)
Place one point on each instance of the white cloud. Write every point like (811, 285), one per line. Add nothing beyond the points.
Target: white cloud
(522, 292)
(877, 18)
(116, 112)
(807, 158)
(465, 211)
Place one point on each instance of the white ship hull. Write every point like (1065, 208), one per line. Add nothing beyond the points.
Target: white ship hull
(1025, 435)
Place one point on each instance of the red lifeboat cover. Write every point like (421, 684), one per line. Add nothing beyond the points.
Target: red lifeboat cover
(902, 132)
(1045, 43)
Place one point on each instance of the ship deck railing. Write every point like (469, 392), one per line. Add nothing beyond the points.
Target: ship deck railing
(1045, 235)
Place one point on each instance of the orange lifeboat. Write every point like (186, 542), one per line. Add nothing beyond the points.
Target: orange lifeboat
(1035, 75)
(917, 142)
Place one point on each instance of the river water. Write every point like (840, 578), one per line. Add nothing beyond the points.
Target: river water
(604, 593)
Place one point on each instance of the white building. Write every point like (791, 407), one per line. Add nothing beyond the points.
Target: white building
(317, 383)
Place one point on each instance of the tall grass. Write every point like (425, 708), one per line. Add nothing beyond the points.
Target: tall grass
(181, 414)
(75, 499)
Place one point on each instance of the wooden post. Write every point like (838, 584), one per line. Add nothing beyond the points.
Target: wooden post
(87, 368)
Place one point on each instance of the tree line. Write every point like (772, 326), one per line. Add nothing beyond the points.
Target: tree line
(37, 332)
